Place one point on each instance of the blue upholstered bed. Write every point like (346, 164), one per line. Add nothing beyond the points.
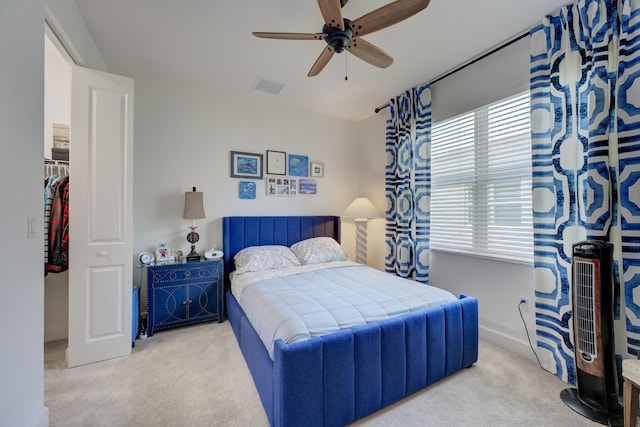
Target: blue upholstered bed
(338, 378)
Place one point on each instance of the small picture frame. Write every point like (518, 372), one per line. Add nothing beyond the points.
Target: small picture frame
(247, 190)
(163, 253)
(308, 186)
(298, 165)
(277, 186)
(316, 169)
(246, 165)
(276, 162)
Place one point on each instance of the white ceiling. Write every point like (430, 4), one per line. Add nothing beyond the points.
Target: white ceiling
(209, 44)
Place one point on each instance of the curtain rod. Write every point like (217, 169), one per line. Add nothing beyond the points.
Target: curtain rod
(481, 57)
(478, 58)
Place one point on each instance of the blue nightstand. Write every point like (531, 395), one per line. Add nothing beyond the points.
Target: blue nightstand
(180, 294)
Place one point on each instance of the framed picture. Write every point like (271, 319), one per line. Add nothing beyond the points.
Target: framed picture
(281, 186)
(163, 253)
(246, 165)
(276, 162)
(247, 190)
(298, 165)
(308, 186)
(317, 169)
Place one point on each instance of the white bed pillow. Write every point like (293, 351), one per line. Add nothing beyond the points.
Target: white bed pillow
(269, 257)
(318, 250)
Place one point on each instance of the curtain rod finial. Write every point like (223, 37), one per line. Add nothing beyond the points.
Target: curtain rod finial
(377, 110)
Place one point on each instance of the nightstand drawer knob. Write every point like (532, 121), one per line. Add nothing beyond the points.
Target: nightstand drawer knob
(187, 274)
(187, 302)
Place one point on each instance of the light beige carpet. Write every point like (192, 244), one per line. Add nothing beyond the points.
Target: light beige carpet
(197, 376)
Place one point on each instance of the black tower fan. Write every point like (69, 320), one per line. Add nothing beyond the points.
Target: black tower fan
(596, 395)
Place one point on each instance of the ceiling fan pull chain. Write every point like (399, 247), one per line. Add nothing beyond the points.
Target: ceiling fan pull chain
(345, 68)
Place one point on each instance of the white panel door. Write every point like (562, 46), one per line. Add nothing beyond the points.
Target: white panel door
(100, 216)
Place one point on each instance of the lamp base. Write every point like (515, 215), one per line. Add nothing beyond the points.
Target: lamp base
(361, 241)
(193, 255)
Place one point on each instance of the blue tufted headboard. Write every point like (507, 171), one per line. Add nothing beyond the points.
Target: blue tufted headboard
(238, 232)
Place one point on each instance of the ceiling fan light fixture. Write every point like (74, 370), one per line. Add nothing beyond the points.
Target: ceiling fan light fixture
(337, 38)
(268, 86)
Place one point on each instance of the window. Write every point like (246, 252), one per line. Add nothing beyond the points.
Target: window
(481, 182)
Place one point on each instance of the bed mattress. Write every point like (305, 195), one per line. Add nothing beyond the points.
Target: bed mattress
(297, 303)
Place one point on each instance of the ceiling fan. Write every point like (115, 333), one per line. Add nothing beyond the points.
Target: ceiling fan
(341, 33)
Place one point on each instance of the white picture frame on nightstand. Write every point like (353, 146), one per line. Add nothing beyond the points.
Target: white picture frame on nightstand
(163, 253)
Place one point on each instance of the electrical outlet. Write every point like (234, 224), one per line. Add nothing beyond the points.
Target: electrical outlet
(524, 304)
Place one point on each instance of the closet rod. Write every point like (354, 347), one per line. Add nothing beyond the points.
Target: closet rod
(480, 57)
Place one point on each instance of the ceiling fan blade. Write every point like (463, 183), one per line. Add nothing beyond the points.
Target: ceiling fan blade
(370, 53)
(386, 16)
(332, 13)
(290, 36)
(321, 62)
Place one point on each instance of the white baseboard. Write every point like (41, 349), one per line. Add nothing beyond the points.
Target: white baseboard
(44, 418)
(508, 342)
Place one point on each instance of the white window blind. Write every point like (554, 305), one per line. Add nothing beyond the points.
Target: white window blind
(481, 182)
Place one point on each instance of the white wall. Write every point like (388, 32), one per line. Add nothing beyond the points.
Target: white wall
(65, 18)
(371, 137)
(21, 263)
(498, 286)
(501, 74)
(183, 137)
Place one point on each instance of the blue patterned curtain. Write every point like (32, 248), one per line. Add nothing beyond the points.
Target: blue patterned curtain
(408, 184)
(628, 127)
(575, 57)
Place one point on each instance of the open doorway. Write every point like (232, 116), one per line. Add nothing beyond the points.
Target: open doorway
(57, 113)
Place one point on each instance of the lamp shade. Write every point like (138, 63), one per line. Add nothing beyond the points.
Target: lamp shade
(361, 208)
(193, 205)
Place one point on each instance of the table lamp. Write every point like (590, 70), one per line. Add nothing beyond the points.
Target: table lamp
(193, 209)
(362, 210)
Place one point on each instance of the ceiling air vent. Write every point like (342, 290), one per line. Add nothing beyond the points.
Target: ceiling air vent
(268, 86)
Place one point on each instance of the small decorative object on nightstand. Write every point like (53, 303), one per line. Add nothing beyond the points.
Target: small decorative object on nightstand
(146, 258)
(193, 209)
(213, 253)
(163, 253)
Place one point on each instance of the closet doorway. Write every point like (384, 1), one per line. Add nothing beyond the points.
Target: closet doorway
(57, 110)
(96, 292)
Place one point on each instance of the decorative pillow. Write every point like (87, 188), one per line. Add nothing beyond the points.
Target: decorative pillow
(318, 250)
(257, 258)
